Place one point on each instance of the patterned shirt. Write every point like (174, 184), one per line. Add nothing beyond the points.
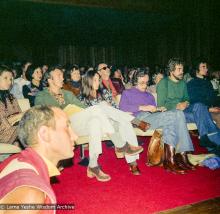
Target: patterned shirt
(104, 96)
(8, 132)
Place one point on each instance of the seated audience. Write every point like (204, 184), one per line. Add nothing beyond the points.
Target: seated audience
(92, 121)
(172, 93)
(73, 80)
(9, 108)
(34, 76)
(117, 80)
(176, 138)
(21, 81)
(200, 90)
(92, 95)
(24, 177)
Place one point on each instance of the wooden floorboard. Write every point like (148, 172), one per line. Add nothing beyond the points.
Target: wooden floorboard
(211, 206)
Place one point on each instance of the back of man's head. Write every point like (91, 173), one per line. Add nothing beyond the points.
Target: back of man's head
(31, 122)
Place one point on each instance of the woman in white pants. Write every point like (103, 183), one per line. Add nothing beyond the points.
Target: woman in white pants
(121, 121)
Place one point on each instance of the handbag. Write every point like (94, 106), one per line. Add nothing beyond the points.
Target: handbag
(155, 152)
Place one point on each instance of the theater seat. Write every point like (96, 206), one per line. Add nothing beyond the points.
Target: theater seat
(85, 139)
(7, 149)
(24, 104)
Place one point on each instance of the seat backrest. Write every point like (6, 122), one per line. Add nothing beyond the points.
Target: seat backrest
(24, 104)
(6, 150)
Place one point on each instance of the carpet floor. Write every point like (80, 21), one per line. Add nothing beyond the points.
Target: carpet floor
(154, 190)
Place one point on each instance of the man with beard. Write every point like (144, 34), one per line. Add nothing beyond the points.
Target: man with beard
(172, 94)
(200, 89)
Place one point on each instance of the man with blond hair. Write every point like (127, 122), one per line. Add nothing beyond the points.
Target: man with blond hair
(24, 179)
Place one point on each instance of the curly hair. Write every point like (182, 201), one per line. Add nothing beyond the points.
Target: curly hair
(140, 73)
(171, 66)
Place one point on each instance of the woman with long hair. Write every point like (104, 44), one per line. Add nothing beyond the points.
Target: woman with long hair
(92, 94)
(9, 108)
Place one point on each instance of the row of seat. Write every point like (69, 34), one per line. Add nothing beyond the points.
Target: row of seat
(25, 105)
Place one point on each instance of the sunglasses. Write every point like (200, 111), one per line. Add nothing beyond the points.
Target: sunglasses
(104, 68)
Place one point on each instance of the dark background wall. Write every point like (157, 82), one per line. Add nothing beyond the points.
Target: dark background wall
(141, 32)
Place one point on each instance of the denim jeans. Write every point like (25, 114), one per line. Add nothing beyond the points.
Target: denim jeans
(173, 126)
(198, 113)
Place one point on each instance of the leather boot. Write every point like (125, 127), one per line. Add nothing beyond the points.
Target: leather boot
(169, 162)
(183, 161)
(98, 173)
(134, 169)
(180, 162)
(188, 162)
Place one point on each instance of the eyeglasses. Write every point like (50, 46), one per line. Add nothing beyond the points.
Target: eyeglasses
(142, 83)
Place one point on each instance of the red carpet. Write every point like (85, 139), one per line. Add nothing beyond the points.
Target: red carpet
(155, 190)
